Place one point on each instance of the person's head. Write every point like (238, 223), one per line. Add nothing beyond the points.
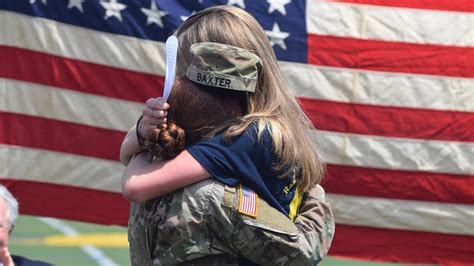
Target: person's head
(234, 26)
(196, 111)
(272, 105)
(210, 96)
(8, 214)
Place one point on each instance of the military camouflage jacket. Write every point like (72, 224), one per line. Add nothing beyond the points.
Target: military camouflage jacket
(199, 225)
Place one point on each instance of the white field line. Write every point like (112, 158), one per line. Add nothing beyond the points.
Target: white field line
(96, 254)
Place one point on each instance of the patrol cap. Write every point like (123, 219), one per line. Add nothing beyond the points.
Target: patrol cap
(223, 66)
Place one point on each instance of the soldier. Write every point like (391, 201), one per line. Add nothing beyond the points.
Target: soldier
(207, 222)
(200, 225)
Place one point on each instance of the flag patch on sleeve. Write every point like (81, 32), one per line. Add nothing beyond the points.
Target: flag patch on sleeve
(248, 201)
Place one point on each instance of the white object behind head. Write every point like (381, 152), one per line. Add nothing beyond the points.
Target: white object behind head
(171, 52)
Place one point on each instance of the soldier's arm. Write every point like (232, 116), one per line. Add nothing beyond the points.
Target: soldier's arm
(272, 238)
(316, 225)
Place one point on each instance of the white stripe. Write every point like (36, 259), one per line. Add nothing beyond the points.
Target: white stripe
(66, 105)
(96, 254)
(403, 214)
(60, 168)
(379, 88)
(390, 24)
(395, 153)
(48, 36)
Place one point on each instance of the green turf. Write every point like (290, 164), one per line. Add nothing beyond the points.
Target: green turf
(30, 229)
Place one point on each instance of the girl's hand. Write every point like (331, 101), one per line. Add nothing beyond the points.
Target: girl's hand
(154, 115)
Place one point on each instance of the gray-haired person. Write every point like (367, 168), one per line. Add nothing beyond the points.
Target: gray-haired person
(8, 215)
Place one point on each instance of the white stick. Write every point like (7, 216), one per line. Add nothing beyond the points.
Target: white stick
(171, 52)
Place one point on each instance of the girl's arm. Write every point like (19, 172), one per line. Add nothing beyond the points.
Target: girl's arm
(129, 146)
(154, 114)
(142, 181)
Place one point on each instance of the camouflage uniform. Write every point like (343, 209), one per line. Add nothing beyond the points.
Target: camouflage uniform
(223, 66)
(199, 225)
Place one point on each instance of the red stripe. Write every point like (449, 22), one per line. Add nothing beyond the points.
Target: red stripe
(48, 134)
(51, 70)
(391, 56)
(396, 184)
(390, 121)
(444, 5)
(252, 205)
(66, 202)
(402, 246)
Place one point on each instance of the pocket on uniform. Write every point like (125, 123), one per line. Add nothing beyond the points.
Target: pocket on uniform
(266, 217)
(269, 237)
(272, 220)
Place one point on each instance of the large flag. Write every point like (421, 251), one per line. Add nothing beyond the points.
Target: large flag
(388, 84)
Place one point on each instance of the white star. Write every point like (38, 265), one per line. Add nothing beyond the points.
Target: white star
(113, 8)
(183, 18)
(154, 15)
(76, 3)
(34, 1)
(277, 37)
(240, 3)
(278, 5)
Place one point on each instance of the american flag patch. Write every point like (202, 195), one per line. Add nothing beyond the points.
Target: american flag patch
(248, 200)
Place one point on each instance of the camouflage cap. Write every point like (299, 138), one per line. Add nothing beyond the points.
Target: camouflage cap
(223, 66)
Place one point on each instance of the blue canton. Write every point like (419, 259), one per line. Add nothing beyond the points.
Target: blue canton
(283, 20)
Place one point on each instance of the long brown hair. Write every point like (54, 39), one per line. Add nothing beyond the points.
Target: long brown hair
(272, 106)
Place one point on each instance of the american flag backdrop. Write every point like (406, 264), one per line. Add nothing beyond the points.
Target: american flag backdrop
(388, 84)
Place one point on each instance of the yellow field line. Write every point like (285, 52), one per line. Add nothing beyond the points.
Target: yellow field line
(107, 240)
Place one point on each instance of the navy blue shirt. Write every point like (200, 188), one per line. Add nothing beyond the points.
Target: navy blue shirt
(250, 161)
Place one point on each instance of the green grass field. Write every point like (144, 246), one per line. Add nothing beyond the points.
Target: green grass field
(47, 240)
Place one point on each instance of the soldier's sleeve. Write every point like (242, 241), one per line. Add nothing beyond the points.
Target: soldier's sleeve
(316, 225)
(272, 238)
